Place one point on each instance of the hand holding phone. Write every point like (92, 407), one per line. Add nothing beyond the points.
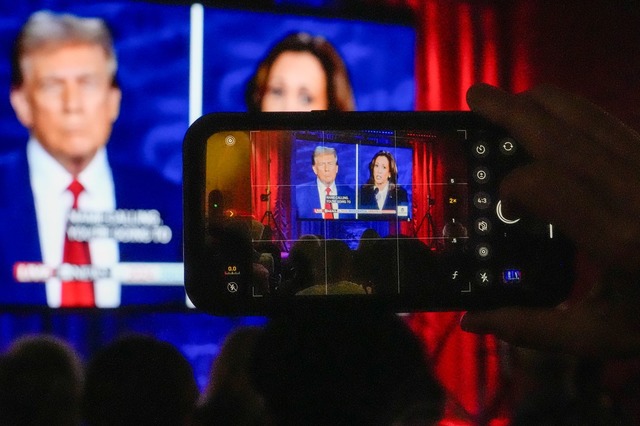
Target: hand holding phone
(585, 178)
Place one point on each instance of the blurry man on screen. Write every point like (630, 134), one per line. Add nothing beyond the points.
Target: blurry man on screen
(322, 198)
(64, 91)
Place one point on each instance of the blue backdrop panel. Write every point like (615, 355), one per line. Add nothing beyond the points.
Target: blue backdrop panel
(382, 75)
(152, 44)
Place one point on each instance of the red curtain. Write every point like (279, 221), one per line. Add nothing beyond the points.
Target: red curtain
(460, 43)
(273, 153)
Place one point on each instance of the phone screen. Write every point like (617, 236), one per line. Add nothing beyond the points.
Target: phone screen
(411, 214)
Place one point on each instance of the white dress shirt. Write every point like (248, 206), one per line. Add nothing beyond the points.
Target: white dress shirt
(322, 192)
(381, 196)
(49, 182)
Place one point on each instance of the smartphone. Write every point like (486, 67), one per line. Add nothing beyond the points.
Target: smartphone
(392, 210)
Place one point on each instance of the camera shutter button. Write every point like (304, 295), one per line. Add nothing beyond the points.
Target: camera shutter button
(502, 217)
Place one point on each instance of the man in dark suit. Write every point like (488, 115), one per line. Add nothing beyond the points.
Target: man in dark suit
(323, 198)
(63, 190)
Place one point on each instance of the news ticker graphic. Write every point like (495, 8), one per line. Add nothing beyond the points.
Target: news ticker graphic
(402, 211)
(126, 273)
(122, 225)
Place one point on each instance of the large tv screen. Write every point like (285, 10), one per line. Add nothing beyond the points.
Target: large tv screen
(175, 62)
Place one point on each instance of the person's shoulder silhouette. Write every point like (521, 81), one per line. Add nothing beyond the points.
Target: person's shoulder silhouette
(41, 380)
(344, 367)
(139, 380)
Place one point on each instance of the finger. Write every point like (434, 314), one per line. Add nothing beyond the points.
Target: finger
(588, 330)
(544, 136)
(612, 134)
(552, 139)
(618, 286)
(525, 327)
(600, 148)
(615, 182)
(550, 194)
(524, 119)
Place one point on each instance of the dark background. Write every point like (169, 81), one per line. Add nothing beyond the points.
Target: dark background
(591, 48)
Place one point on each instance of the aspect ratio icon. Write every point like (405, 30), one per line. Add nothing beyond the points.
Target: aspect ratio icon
(482, 200)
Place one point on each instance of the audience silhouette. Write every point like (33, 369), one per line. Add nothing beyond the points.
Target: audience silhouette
(230, 397)
(344, 368)
(41, 379)
(139, 380)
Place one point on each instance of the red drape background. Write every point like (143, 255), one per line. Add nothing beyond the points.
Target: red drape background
(275, 154)
(513, 45)
(590, 49)
(458, 43)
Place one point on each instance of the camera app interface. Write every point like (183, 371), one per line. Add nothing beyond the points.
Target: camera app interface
(359, 212)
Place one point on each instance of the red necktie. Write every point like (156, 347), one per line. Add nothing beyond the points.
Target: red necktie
(327, 205)
(76, 293)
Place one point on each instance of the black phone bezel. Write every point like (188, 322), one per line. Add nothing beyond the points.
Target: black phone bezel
(203, 280)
